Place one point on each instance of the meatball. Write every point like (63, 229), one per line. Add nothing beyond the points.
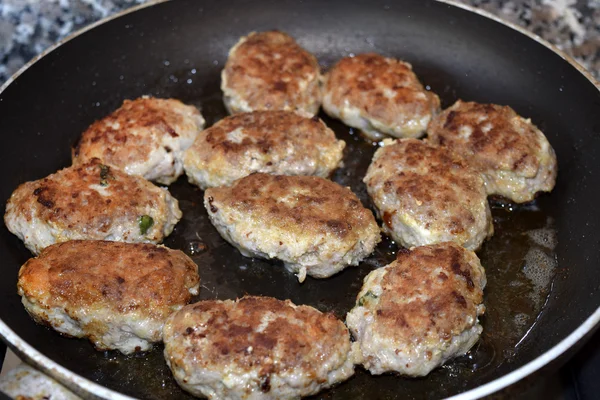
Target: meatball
(427, 194)
(270, 71)
(516, 159)
(256, 348)
(118, 295)
(315, 226)
(276, 142)
(90, 201)
(379, 96)
(416, 313)
(146, 137)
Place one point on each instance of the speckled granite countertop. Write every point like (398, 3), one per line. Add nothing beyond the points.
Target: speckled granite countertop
(27, 27)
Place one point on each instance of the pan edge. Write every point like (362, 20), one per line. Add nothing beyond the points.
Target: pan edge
(70, 378)
(530, 35)
(72, 36)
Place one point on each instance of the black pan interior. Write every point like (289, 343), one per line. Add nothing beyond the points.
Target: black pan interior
(177, 49)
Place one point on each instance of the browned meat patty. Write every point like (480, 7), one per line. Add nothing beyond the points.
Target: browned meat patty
(315, 226)
(90, 201)
(418, 312)
(516, 159)
(274, 142)
(146, 136)
(380, 96)
(427, 194)
(270, 71)
(256, 348)
(118, 295)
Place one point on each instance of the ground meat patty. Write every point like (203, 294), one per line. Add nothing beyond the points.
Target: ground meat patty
(275, 142)
(427, 194)
(256, 348)
(118, 295)
(270, 71)
(516, 159)
(378, 95)
(146, 137)
(315, 226)
(90, 201)
(421, 310)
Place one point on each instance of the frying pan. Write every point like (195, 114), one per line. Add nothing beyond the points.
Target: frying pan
(536, 314)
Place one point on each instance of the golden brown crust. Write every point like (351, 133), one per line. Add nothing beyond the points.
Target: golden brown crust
(434, 187)
(384, 90)
(266, 130)
(217, 334)
(515, 157)
(63, 202)
(499, 147)
(121, 277)
(119, 148)
(94, 201)
(429, 292)
(270, 71)
(277, 142)
(145, 136)
(300, 205)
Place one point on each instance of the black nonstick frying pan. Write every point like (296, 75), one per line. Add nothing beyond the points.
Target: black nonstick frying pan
(543, 295)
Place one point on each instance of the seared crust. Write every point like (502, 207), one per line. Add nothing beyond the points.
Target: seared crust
(514, 155)
(427, 194)
(270, 71)
(420, 310)
(275, 142)
(256, 347)
(378, 95)
(315, 226)
(104, 287)
(145, 136)
(90, 201)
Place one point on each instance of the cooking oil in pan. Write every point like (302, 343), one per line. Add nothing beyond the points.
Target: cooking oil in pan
(519, 261)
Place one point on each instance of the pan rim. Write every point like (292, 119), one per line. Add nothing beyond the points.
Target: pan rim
(486, 14)
(79, 383)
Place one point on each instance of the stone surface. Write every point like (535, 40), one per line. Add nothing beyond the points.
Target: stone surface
(27, 27)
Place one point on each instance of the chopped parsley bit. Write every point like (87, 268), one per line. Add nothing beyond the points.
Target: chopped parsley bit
(369, 295)
(145, 222)
(104, 174)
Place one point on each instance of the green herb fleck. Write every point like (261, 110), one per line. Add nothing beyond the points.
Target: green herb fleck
(368, 296)
(104, 174)
(145, 222)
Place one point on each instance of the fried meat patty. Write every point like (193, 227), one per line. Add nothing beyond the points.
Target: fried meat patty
(516, 159)
(90, 201)
(427, 194)
(315, 226)
(270, 71)
(275, 142)
(146, 136)
(256, 348)
(118, 295)
(380, 96)
(419, 311)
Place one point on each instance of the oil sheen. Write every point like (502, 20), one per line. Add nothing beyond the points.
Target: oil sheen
(519, 260)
